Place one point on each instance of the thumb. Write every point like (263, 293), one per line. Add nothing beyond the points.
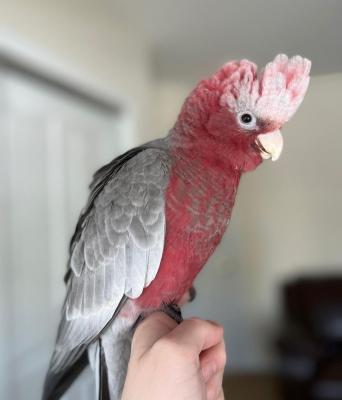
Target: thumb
(149, 331)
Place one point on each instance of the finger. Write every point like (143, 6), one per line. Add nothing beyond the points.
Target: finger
(151, 329)
(221, 395)
(197, 335)
(213, 360)
(214, 387)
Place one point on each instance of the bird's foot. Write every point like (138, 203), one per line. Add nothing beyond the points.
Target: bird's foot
(192, 294)
(173, 311)
(170, 309)
(188, 296)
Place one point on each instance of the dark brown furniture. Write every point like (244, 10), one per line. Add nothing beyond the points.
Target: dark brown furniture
(310, 344)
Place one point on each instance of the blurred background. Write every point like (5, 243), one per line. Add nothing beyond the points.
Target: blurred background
(80, 82)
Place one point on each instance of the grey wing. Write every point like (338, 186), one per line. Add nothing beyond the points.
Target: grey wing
(117, 254)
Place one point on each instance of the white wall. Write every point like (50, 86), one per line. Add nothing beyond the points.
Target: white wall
(91, 41)
(287, 221)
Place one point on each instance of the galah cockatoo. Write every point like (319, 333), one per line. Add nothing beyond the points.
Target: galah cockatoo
(156, 213)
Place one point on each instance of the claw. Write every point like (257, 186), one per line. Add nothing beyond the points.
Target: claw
(192, 294)
(173, 311)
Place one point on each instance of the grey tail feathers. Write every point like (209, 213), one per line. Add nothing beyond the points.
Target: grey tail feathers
(57, 384)
(103, 376)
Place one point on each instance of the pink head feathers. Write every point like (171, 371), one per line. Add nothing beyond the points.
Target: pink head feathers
(274, 95)
(237, 113)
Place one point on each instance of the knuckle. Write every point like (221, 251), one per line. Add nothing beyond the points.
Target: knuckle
(196, 320)
(194, 324)
(222, 359)
(219, 328)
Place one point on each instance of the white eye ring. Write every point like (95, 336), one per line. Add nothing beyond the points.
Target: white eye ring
(246, 120)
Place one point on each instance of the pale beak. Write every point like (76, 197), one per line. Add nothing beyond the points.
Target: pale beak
(270, 145)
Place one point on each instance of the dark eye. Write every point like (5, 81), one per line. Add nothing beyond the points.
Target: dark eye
(246, 118)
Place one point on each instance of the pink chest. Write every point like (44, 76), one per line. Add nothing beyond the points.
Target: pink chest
(198, 208)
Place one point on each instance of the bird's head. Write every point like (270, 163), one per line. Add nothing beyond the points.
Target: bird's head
(244, 110)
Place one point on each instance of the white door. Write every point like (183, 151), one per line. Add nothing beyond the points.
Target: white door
(51, 141)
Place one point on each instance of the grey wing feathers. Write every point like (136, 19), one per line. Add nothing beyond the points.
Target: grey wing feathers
(117, 253)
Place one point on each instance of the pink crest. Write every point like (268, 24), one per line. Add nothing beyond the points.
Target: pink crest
(273, 95)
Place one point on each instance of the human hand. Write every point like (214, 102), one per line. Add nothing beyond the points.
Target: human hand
(170, 361)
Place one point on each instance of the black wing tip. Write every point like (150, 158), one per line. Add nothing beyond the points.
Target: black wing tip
(104, 387)
(56, 384)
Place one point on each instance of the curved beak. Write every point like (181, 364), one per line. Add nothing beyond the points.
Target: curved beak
(270, 145)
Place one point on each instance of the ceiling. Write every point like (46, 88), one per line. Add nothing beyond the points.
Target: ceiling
(192, 37)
